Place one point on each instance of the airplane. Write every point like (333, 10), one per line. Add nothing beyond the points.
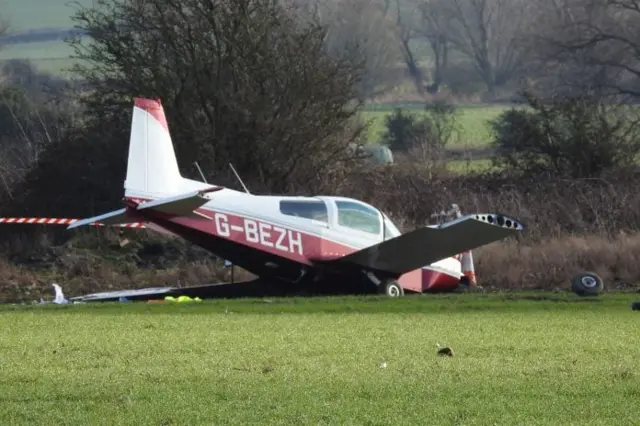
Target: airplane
(313, 244)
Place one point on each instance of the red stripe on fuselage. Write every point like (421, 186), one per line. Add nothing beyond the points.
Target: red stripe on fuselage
(299, 246)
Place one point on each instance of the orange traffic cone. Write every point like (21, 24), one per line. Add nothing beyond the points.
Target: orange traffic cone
(468, 269)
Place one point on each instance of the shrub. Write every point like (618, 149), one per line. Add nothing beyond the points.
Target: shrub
(573, 137)
(424, 138)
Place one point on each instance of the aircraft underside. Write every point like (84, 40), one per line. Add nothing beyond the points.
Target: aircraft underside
(291, 276)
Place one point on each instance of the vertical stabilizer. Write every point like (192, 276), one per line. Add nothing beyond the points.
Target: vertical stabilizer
(152, 168)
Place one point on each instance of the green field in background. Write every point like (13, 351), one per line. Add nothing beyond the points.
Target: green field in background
(564, 360)
(473, 123)
(30, 14)
(48, 56)
(54, 57)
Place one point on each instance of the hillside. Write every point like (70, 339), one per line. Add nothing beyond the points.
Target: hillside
(50, 13)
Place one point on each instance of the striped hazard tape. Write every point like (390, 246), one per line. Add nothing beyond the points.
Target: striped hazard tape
(59, 221)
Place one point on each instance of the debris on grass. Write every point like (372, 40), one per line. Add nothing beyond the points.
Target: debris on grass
(182, 299)
(444, 350)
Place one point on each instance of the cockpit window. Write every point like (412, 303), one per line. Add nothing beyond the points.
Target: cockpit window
(391, 230)
(356, 216)
(308, 209)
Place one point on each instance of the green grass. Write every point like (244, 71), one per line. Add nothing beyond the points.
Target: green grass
(473, 122)
(471, 166)
(557, 360)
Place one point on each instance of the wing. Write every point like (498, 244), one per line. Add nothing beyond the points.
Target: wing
(424, 246)
(110, 296)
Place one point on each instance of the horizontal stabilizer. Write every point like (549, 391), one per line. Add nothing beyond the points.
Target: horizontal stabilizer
(117, 217)
(424, 246)
(63, 221)
(180, 205)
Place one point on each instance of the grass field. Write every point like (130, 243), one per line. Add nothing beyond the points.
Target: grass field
(473, 121)
(517, 361)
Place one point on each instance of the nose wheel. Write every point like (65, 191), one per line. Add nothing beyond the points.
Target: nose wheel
(387, 286)
(391, 288)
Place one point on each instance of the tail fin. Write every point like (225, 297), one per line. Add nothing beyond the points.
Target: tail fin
(152, 172)
(152, 168)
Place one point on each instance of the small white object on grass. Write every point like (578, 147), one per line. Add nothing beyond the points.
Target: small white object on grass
(59, 299)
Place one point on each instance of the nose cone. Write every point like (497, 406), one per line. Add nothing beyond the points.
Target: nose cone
(437, 281)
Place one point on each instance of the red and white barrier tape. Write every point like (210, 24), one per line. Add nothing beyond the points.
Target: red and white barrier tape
(59, 221)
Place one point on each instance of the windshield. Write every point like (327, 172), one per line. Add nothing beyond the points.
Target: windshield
(390, 229)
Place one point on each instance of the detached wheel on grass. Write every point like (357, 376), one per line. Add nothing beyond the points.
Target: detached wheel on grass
(391, 288)
(587, 284)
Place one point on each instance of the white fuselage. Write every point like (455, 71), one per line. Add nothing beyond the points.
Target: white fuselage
(342, 224)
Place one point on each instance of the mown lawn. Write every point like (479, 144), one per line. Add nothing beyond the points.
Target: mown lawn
(318, 361)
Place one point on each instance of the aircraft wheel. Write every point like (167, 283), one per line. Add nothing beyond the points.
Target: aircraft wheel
(391, 288)
(587, 284)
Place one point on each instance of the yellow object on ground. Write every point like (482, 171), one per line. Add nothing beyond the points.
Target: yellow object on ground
(182, 299)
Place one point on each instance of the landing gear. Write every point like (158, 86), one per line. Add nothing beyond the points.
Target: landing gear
(391, 288)
(386, 286)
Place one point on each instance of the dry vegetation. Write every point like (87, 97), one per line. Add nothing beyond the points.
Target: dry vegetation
(571, 226)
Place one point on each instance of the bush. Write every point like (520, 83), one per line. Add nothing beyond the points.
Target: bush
(401, 130)
(573, 137)
(423, 138)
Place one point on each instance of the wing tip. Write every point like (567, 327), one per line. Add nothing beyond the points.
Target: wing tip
(501, 220)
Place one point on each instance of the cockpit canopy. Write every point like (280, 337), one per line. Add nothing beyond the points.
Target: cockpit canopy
(351, 213)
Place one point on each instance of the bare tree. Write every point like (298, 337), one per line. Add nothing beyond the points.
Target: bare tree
(32, 117)
(597, 43)
(489, 34)
(434, 29)
(4, 26)
(403, 14)
(358, 25)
